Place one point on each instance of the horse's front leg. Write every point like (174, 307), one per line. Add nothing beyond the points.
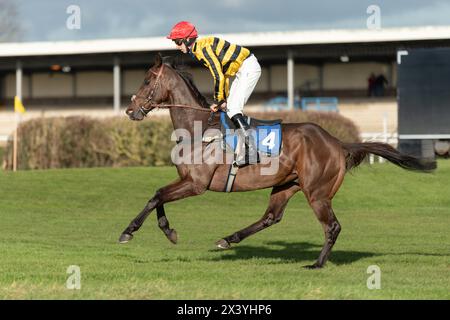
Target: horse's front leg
(174, 191)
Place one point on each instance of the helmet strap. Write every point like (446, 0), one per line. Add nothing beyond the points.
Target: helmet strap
(189, 43)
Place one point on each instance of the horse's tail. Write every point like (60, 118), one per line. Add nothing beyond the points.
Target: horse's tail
(356, 152)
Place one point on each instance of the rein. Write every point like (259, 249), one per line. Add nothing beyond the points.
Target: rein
(168, 106)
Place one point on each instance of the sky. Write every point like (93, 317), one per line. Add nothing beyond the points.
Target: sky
(45, 20)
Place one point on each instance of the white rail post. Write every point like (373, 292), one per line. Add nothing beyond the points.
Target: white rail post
(385, 133)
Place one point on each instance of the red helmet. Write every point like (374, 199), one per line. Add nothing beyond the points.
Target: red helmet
(183, 30)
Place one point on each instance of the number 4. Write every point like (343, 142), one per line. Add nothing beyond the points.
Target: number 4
(269, 141)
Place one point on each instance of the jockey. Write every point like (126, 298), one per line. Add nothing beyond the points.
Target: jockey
(224, 60)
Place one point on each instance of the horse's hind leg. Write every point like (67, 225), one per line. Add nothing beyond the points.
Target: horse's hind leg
(278, 200)
(331, 228)
(323, 171)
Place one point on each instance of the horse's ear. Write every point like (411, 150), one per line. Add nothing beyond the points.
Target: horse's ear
(158, 60)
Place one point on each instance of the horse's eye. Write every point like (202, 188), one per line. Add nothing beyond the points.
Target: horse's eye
(146, 82)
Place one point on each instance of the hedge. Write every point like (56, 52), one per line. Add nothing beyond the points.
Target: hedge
(79, 142)
(85, 142)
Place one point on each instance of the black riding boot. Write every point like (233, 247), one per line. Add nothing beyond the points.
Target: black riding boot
(251, 156)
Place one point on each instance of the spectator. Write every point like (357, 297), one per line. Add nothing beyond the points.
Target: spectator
(371, 85)
(380, 82)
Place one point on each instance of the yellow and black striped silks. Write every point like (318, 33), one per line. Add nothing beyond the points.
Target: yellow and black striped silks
(223, 60)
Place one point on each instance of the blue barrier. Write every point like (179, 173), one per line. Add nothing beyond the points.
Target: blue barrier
(280, 103)
(320, 104)
(307, 103)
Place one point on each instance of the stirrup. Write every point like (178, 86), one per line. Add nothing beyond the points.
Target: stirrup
(250, 154)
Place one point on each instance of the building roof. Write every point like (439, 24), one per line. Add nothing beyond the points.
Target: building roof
(257, 39)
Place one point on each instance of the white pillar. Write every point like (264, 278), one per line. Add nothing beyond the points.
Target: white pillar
(19, 76)
(117, 93)
(290, 80)
(19, 79)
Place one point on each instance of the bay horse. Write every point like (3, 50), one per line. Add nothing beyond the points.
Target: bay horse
(311, 161)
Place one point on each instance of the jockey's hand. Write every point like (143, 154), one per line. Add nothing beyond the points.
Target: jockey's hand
(214, 107)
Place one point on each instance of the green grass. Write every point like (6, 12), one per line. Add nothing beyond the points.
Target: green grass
(391, 218)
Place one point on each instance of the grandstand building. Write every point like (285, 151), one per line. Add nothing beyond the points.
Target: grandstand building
(97, 77)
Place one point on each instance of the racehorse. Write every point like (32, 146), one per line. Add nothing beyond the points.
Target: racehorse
(311, 161)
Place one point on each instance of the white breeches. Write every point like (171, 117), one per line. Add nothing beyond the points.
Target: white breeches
(242, 87)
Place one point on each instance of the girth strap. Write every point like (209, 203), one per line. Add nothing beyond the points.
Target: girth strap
(231, 177)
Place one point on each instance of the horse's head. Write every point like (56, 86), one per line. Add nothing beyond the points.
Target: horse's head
(152, 92)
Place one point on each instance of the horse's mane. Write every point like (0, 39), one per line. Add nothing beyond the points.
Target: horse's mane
(189, 80)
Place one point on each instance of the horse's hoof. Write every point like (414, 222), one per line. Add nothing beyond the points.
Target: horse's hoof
(312, 267)
(173, 236)
(125, 237)
(223, 244)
